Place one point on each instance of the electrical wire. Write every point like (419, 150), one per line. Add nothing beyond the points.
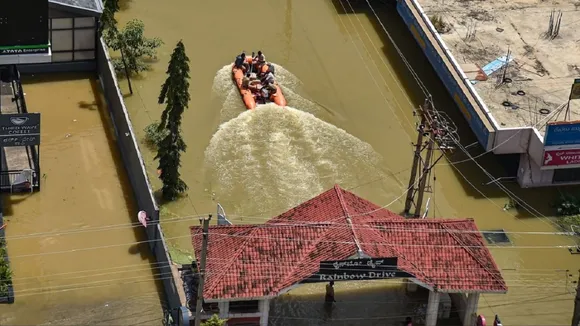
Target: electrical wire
(376, 50)
(529, 208)
(426, 91)
(363, 61)
(53, 291)
(290, 239)
(286, 239)
(156, 266)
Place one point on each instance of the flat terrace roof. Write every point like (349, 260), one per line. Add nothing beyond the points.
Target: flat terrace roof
(480, 32)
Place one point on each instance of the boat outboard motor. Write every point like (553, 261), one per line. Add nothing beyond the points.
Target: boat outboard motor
(497, 322)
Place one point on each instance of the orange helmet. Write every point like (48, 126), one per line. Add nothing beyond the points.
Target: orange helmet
(265, 69)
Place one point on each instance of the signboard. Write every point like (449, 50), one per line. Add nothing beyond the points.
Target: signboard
(562, 157)
(575, 92)
(23, 26)
(357, 269)
(562, 133)
(19, 129)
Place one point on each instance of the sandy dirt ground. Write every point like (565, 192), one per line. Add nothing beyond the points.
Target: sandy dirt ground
(543, 67)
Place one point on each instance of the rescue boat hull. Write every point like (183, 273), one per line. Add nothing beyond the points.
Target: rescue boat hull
(248, 97)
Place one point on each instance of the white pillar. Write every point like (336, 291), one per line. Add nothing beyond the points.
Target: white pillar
(432, 309)
(471, 309)
(264, 312)
(224, 308)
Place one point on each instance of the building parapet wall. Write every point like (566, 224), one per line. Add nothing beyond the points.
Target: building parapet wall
(469, 102)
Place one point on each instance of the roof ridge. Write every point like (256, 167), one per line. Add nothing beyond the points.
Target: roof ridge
(338, 191)
(233, 259)
(474, 256)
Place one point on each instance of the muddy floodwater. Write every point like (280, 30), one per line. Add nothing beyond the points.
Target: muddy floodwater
(72, 245)
(349, 121)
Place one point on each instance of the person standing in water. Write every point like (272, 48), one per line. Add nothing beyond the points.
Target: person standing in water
(329, 298)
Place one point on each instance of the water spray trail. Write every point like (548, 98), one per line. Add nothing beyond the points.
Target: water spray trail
(272, 158)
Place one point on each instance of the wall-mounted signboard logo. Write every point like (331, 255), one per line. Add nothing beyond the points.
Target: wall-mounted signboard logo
(23, 27)
(562, 133)
(358, 269)
(18, 121)
(19, 129)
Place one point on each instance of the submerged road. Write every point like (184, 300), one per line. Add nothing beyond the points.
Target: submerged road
(350, 122)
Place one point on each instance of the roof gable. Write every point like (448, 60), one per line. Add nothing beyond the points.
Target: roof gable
(253, 261)
(89, 7)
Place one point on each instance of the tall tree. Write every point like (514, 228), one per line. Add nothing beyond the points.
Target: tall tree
(175, 93)
(135, 47)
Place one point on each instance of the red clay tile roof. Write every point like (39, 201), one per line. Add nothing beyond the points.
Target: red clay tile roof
(253, 261)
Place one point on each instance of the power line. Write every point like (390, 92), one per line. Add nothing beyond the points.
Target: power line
(471, 158)
(132, 268)
(71, 287)
(390, 243)
(428, 95)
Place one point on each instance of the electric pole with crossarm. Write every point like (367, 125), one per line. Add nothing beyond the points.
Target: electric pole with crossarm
(433, 130)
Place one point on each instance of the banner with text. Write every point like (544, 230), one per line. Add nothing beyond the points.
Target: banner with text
(562, 133)
(561, 158)
(19, 129)
(358, 269)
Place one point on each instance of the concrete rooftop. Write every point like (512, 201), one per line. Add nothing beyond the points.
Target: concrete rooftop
(544, 69)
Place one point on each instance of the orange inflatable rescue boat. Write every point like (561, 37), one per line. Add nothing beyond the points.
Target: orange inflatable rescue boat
(247, 79)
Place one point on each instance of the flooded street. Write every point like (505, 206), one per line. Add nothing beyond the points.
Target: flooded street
(350, 121)
(72, 245)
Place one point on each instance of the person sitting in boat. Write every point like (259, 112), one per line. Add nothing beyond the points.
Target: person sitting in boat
(259, 60)
(267, 77)
(268, 90)
(252, 83)
(240, 62)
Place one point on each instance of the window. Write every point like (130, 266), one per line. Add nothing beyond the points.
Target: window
(84, 39)
(73, 39)
(244, 306)
(84, 22)
(61, 23)
(62, 40)
(62, 56)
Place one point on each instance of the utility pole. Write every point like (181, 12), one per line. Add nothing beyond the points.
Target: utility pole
(199, 304)
(438, 130)
(416, 158)
(424, 175)
(576, 316)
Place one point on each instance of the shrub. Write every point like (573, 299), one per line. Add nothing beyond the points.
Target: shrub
(153, 136)
(440, 25)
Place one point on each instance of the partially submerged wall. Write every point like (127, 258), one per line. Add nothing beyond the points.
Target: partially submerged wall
(135, 167)
(448, 70)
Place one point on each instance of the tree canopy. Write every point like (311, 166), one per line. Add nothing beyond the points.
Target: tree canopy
(175, 94)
